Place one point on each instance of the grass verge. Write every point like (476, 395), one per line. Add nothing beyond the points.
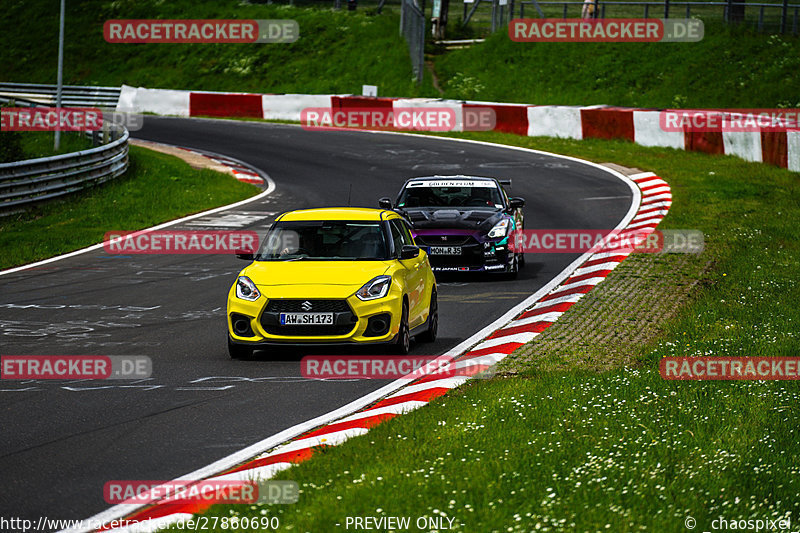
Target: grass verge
(730, 67)
(156, 188)
(337, 52)
(563, 447)
(16, 146)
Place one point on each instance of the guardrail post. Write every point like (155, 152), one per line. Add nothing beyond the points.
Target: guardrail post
(666, 9)
(784, 14)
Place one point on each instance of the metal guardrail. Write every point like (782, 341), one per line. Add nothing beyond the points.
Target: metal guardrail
(23, 183)
(26, 182)
(71, 95)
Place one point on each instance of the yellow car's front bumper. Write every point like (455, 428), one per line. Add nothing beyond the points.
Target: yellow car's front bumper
(360, 328)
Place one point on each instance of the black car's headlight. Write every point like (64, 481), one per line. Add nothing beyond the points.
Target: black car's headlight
(375, 288)
(500, 229)
(246, 289)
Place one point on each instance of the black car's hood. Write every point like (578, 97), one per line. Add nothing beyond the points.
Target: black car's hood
(453, 217)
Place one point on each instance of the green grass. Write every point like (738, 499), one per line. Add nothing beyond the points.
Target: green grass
(729, 68)
(15, 146)
(622, 450)
(156, 188)
(40, 144)
(338, 51)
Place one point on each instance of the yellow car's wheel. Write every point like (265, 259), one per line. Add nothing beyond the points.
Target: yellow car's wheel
(433, 321)
(402, 343)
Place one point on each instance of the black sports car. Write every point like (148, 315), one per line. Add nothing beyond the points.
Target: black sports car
(463, 222)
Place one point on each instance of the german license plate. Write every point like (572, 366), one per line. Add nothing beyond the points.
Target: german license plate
(293, 319)
(445, 250)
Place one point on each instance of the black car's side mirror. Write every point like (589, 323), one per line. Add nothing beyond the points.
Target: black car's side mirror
(516, 203)
(248, 256)
(385, 203)
(409, 251)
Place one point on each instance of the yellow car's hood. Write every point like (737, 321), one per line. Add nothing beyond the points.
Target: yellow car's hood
(313, 279)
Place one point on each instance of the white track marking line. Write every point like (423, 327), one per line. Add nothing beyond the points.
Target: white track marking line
(270, 189)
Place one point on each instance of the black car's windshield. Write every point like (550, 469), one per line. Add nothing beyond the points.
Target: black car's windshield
(324, 241)
(455, 193)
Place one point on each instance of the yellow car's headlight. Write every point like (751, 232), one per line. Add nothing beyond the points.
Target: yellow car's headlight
(246, 289)
(377, 287)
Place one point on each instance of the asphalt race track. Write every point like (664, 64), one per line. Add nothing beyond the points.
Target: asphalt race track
(60, 442)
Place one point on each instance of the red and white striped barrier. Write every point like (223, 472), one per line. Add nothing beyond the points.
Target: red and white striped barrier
(641, 126)
(656, 199)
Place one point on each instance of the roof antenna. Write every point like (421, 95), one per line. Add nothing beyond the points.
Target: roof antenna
(349, 193)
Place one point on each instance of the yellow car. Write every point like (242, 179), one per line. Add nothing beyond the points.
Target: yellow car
(332, 276)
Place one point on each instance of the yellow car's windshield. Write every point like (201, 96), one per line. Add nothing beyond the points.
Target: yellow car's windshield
(337, 240)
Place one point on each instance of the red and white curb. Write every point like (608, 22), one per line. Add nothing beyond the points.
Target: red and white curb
(236, 168)
(656, 199)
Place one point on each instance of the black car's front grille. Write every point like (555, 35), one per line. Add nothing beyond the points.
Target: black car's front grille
(444, 240)
(344, 321)
(313, 306)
